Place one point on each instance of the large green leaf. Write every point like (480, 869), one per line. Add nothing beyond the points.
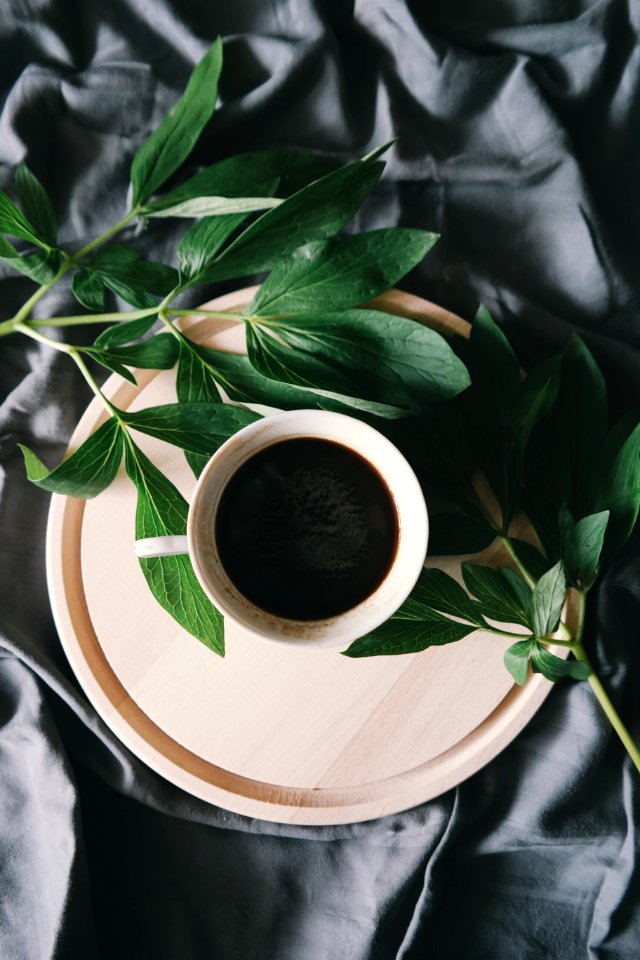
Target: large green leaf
(127, 266)
(159, 352)
(236, 175)
(14, 222)
(88, 289)
(197, 427)
(88, 471)
(317, 211)
(402, 634)
(171, 143)
(495, 371)
(583, 543)
(378, 356)
(620, 492)
(437, 590)
(128, 331)
(340, 273)
(36, 204)
(202, 242)
(500, 598)
(516, 659)
(201, 369)
(548, 599)
(40, 267)
(162, 510)
(555, 668)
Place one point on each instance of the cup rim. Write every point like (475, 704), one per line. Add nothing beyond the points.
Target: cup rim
(398, 475)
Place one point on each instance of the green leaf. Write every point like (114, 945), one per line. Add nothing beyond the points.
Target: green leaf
(583, 404)
(14, 222)
(620, 492)
(399, 635)
(40, 267)
(341, 273)
(88, 289)
(171, 143)
(216, 206)
(234, 373)
(197, 427)
(437, 590)
(537, 395)
(201, 243)
(317, 211)
(195, 384)
(555, 668)
(36, 204)
(494, 409)
(566, 540)
(134, 296)
(501, 596)
(128, 331)
(589, 538)
(159, 352)
(456, 533)
(516, 659)
(88, 471)
(126, 267)
(378, 356)
(236, 175)
(495, 371)
(162, 510)
(106, 359)
(548, 599)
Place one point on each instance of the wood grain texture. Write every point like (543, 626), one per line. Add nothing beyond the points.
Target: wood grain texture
(300, 736)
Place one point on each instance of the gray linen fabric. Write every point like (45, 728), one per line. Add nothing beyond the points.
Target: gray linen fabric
(519, 142)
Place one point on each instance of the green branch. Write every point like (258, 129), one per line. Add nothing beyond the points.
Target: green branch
(598, 689)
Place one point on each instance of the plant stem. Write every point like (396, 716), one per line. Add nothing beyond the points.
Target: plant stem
(218, 314)
(74, 353)
(35, 297)
(84, 319)
(599, 691)
(104, 237)
(506, 543)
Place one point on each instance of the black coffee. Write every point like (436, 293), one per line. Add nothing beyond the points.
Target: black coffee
(306, 529)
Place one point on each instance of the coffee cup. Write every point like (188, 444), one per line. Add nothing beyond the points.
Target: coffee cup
(307, 528)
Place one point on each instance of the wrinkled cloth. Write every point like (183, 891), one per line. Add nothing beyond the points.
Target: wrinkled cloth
(519, 142)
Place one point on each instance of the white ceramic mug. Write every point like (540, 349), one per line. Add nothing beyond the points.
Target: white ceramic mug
(200, 545)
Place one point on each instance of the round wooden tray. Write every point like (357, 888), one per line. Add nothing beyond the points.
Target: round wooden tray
(295, 736)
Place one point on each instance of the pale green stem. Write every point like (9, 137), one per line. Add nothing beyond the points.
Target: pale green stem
(35, 297)
(506, 542)
(218, 314)
(104, 237)
(83, 319)
(74, 353)
(599, 691)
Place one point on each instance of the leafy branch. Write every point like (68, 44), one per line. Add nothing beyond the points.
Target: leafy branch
(487, 442)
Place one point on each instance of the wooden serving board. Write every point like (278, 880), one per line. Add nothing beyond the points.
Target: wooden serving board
(289, 735)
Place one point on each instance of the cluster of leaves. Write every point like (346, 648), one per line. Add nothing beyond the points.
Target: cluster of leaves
(440, 611)
(545, 445)
(543, 442)
(310, 342)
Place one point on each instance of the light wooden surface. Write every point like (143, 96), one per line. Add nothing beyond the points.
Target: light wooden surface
(300, 736)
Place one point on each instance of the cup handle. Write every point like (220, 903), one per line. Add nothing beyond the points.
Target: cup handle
(161, 546)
